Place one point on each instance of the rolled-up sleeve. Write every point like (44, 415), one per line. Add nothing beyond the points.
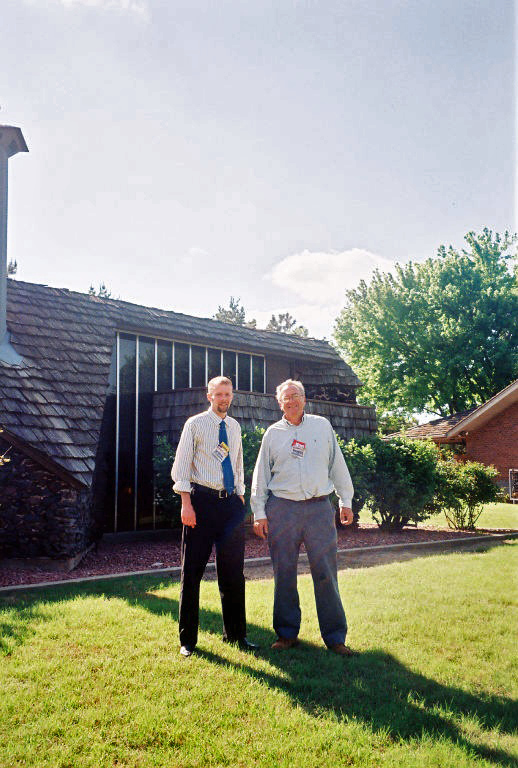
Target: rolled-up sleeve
(182, 464)
(260, 480)
(339, 473)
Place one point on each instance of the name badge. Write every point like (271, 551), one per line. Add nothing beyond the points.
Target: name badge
(221, 452)
(298, 449)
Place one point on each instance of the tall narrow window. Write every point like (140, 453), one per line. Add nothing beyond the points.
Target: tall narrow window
(257, 373)
(243, 372)
(198, 367)
(126, 447)
(229, 366)
(213, 363)
(146, 386)
(181, 365)
(164, 366)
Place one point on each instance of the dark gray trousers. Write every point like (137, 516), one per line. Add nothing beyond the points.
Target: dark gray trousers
(291, 523)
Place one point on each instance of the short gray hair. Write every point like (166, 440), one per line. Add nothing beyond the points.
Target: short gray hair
(289, 383)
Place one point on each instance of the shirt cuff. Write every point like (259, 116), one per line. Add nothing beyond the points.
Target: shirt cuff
(345, 501)
(182, 486)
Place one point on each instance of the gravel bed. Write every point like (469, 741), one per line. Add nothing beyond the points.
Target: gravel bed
(125, 555)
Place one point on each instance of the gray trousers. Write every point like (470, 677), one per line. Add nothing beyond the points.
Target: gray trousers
(291, 523)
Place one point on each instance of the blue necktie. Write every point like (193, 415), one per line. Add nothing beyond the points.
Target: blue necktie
(228, 474)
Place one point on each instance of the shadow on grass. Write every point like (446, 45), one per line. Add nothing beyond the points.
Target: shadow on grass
(373, 687)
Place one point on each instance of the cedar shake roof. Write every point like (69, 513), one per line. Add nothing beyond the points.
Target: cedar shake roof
(453, 427)
(54, 402)
(433, 430)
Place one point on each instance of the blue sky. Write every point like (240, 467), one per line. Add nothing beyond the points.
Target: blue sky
(183, 152)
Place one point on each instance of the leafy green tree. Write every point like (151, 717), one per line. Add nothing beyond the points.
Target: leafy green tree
(285, 323)
(234, 313)
(439, 336)
(394, 421)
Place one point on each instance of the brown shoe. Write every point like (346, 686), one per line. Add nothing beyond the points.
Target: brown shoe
(284, 643)
(342, 650)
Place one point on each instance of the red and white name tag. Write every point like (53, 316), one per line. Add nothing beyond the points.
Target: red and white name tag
(298, 449)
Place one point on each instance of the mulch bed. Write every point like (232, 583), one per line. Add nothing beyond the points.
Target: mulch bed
(122, 556)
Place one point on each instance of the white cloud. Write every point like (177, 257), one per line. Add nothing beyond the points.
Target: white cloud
(321, 277)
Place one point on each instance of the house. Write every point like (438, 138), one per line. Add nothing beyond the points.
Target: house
(488, 434)
(100, 379)
(87, 384)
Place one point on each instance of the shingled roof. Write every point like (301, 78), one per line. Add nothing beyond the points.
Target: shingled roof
(437, 429)
(54, 403)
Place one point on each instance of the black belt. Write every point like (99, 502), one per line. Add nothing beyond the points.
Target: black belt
(223, 494)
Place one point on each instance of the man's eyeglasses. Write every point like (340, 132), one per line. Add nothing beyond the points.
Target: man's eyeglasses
(289, 398)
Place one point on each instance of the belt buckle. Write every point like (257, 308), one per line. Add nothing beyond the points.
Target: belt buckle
(222, 494)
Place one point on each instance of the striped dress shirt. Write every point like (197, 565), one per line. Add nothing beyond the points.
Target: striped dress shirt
(194, 462)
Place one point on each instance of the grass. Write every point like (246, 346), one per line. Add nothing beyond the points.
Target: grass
(91, 675)
(493, 516)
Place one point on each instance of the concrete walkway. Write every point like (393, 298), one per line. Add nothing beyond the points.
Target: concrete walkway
(356, 557)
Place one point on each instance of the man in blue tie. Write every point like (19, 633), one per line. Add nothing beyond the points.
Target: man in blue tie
(208, 475)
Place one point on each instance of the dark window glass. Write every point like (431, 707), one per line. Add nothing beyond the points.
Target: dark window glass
(146, 387)
(229, 366)
(243, 372)
(164, 366)
(198, 367)
(127, 402)
(257, 373)
(213, 363)
(181, 366)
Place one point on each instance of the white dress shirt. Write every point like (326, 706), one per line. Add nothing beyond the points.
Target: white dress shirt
(194, 460)
(320, 469)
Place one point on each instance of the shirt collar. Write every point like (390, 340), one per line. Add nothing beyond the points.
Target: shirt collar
(214, 416)
(289, 424)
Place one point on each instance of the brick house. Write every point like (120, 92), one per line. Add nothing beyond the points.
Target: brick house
(91, 384)
(488, 434)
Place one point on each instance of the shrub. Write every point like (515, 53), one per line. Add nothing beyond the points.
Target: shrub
(251, 444)
(361, 461)
(462, 488)
(169, 504)
(400, 481)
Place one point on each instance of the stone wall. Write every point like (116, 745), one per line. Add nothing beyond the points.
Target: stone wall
(40, 514)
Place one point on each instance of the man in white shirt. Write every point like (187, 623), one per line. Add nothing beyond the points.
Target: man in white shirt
(298, 466)
(208, 475)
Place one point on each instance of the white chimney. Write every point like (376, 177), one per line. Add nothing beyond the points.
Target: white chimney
(11, 142)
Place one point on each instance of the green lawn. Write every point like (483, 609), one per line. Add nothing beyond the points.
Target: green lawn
(493, 516)
(91, 675)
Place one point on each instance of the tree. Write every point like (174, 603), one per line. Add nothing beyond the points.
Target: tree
(103, 292)
(235, 314)
(12, 267)
(285, 323)
(439, 336)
